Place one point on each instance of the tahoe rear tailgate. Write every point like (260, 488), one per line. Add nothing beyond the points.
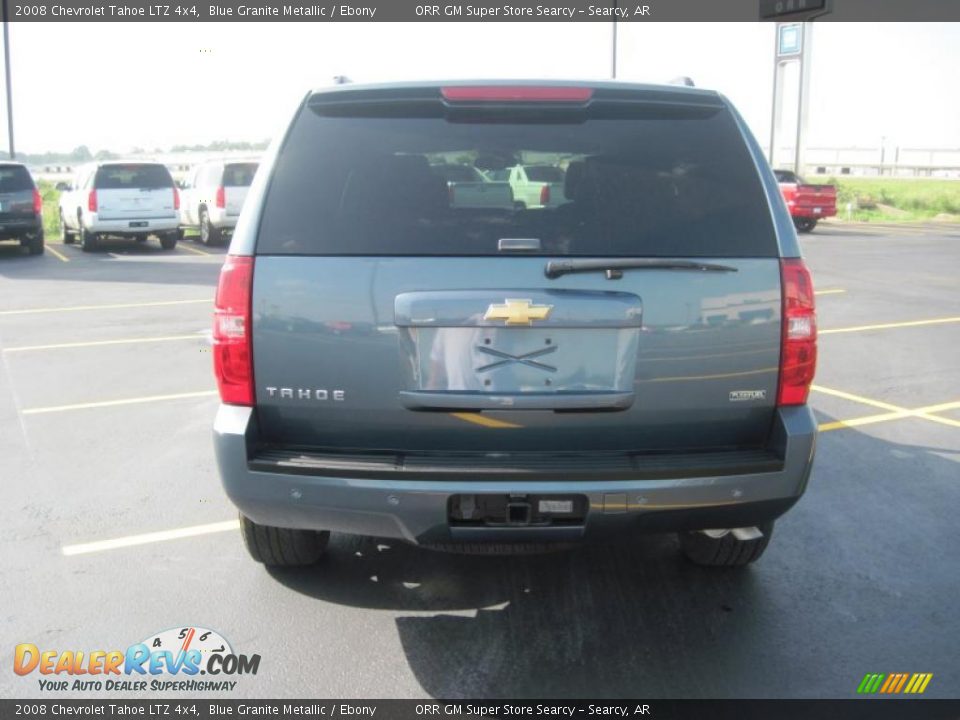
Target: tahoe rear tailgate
(387, 318)
(134, 192)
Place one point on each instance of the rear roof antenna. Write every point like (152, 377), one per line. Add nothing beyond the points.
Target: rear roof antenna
(682, 80)
(341, 80)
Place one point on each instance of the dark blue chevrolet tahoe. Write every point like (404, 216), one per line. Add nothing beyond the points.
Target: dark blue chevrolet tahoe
(484, 370)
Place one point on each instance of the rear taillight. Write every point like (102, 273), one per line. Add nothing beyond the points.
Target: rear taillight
(515, 93)
(545, 195)
(37, 202)
(221, 197)
(176, 199)
(92, 201)
(798, 356)
(232, 351)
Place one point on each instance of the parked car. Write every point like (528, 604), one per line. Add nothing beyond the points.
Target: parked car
(120, 199)
(530, 376)
(470, 188)
(21, 208)
(806, 202)
(213, 196)
(535, 186)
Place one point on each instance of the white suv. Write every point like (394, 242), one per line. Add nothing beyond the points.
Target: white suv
(125, 199)
(213, 196)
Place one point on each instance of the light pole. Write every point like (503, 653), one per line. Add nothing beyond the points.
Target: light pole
(613, 58)
(6, 66)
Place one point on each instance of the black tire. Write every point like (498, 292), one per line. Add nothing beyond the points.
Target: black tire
(88, 240)
(282, 547)
(66, 236)
(804, 225)
(169, 241)
(726, 551)
(209, 235)
(34, 243)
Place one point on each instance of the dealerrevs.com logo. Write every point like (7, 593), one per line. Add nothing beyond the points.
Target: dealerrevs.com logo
(167, 661)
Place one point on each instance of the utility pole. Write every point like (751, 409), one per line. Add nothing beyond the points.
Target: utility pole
(6, 65)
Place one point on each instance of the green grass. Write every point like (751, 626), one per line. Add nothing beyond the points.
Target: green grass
(907, 200)
(51, 209)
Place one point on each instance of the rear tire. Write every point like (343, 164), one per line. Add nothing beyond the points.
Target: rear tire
(68, 237)
(34, 243)
(805, 225)
(282, 547)
(88, 240)
(169, 241)
(726, 551)
(209, 235)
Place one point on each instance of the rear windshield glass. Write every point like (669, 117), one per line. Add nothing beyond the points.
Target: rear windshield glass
(679, 187)
(123, 177)
(239, 174)
(14, 179)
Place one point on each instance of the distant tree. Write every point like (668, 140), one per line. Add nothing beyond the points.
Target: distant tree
(81, 154)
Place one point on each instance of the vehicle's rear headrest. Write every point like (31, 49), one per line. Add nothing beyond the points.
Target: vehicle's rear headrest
(573, 180)
(402, 184)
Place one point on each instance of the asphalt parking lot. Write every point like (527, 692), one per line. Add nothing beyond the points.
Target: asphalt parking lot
(114, 525)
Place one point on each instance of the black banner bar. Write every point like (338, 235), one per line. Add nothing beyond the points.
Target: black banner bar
(176, 709)
(181, 11)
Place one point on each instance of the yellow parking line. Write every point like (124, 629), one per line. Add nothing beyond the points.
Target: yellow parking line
(57, 254)
(146, 538)
(114, 403)
(856, 398)
(897, 413)
(887, 326)
(489, 422)
(829, 292)
(99, 343)
(197, 251)
(112, 306)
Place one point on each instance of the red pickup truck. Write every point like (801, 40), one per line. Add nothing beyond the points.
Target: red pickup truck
(807, 203)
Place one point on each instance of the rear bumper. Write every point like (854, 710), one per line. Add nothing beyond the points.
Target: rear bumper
(12, 228)
(417, 509)
(813, 212)
(122, 227)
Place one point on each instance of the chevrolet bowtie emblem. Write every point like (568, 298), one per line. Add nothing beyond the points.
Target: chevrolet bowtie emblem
(518, 312)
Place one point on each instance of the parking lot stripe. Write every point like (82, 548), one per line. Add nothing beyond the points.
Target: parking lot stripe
(57, 254)
(897, 413)
(887, 326)
(194, 250)
(146, 538)
(115, 403)
(112, 306)
(489, 422)
(856, 398)
(100, 343)
(833, 291)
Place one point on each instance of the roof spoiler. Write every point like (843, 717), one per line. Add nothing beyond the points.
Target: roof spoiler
(682, 80)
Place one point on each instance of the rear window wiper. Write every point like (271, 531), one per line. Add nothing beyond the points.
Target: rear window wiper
(614, 268)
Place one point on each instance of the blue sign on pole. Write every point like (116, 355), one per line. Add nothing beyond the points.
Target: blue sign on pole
(790, 41)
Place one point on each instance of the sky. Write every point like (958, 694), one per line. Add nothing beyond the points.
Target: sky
(123, 85)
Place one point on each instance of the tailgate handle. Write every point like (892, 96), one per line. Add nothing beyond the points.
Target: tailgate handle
(462, 401)
(518, 244)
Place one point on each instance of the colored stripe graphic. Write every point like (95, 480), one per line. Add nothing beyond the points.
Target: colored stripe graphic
(894, 683)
